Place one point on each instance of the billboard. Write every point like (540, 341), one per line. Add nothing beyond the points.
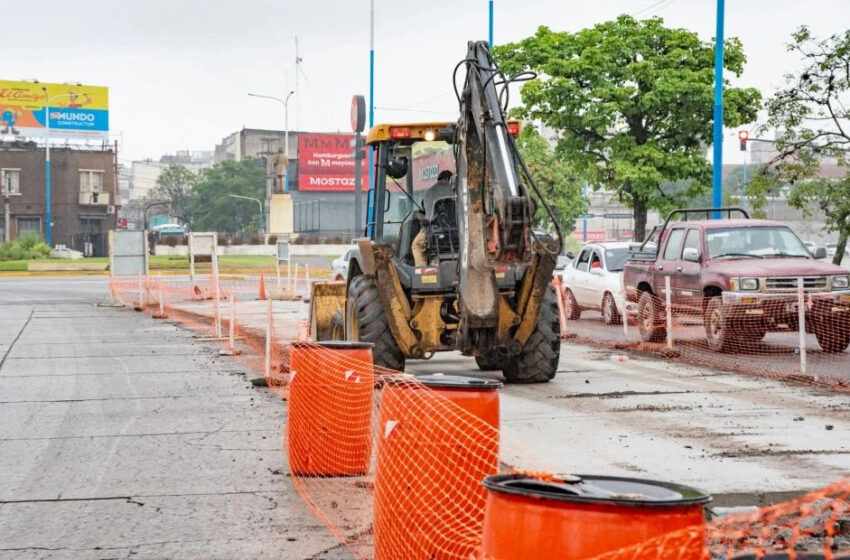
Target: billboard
(73, 111)
(326, 163)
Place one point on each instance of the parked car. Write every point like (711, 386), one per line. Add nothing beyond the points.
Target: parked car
(339, 266)
(739, 276)
(593, 280)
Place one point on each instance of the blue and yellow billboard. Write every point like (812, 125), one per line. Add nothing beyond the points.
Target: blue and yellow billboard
(73, 111)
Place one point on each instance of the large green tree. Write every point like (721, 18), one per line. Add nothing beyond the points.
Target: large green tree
(559, 185)
(632, 104)
(812, 117)
(210, 207)
(174, 188)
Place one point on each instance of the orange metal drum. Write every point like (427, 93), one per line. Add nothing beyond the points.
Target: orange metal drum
(437, 438)
(329, 431)
(583, 516)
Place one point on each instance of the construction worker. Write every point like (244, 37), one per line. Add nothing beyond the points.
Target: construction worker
(420, 241)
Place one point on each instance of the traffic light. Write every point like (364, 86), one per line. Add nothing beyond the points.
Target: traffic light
(743, 136)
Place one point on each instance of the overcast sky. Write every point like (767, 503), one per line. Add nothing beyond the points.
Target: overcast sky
(179, 70)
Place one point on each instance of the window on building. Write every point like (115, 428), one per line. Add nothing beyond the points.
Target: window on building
(29, 225)
(10, 181)
(91, 181)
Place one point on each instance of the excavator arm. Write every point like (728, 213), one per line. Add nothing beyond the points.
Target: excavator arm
(495, 210)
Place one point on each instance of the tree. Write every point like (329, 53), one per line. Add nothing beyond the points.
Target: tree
(210, 207)
(811, 115)
(632, 103)
(559, 185)
(174, 187)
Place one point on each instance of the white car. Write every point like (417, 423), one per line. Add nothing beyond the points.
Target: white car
(339, 266)
(594, 280)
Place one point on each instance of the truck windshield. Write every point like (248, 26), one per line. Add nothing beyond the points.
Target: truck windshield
(754, 242)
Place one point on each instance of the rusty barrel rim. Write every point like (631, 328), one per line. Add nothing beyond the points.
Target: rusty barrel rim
(334, 344)
(595, 489)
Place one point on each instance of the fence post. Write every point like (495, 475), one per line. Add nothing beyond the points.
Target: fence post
(668, 308)
(277, 271)
(232, 323)
(307, 281)
(267, 365)
(141, 294)
(295, 282)
(801, 320)
(289, 277)
(216, 293)
(625, 314)
(161, 314)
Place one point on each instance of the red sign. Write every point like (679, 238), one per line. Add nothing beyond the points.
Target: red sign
(592, 236)
(326, 163)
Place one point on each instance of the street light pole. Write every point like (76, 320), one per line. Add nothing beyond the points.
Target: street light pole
(285, 103)
(259, 203)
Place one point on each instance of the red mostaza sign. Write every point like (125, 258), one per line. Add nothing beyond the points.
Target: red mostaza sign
(325, 163)
(592, 236)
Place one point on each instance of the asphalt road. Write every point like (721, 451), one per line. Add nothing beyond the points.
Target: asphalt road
(124, 437)
(777, 354)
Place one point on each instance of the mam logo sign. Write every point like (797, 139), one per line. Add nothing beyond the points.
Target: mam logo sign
(326, 163)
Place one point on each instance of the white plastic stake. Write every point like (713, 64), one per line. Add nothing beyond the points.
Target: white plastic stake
(295, 281)
(277, 271)
(625, 315)
(307, 281)
(216, 293)
(289, 277)
(161, 300)
(232, 323)
(141, 293)
(267, 367)
(801, 320)
(668, 308)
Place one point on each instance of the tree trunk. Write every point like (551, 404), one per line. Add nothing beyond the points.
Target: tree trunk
(840, 247)
(639, 214)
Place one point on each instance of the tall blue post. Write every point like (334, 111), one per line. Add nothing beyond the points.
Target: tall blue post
(491, 25)
(48, 214)
(717, 171)
(370, 204)
(584, 218)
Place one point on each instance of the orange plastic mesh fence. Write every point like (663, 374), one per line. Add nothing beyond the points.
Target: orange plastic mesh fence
(394, 467)
(758, 334)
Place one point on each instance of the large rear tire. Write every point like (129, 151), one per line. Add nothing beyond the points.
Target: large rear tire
(365, 321)
(538, 361)
(489, 362)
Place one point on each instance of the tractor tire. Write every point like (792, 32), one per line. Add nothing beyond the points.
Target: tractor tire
(538, 360)
(337, 326)
(489, 362)
(365, 321)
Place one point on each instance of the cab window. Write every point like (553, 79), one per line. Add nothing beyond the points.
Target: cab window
(674, 244)
(692, 240)
(583, 258)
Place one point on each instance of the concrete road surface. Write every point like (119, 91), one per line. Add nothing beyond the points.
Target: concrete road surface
(123, 437)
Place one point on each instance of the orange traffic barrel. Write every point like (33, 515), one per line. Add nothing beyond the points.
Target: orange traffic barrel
(331, 391)
(582, 516)
(437, 438)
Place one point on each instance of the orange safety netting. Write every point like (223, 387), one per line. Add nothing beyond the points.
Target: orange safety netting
(751, 334)
(394, 466)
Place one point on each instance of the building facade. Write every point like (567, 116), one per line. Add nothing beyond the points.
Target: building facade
(84, 199)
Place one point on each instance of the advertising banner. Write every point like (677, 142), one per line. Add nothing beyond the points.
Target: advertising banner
(326, 163)
(73, 111)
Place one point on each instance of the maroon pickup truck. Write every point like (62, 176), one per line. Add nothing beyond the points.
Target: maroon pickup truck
(739, 277)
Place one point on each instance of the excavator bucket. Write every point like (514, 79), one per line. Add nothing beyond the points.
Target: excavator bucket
(325, 299)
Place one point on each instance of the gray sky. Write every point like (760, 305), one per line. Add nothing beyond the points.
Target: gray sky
(179, 70)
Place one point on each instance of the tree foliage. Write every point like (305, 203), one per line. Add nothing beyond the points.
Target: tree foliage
(210, 207)
(811, 116)
(632, 104)
(559, 185)
(174, 187)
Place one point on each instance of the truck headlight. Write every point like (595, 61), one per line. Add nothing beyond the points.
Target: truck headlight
(840, 282)
(747, 284)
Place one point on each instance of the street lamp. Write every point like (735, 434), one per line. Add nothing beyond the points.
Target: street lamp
(259, 203)
(48, 214)
(285, 103)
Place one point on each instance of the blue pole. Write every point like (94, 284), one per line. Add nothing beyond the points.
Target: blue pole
(717, 170)
(491, 24)
(370, 210)
(584, 218)
(49, 214)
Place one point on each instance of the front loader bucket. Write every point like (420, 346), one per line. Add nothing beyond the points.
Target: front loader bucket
(325, 299)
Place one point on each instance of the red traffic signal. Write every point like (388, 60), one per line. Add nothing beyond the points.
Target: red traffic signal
(743, 136)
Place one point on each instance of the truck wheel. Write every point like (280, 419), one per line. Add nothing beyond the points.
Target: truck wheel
(365, 321)
(571, 308)
(538, 360)
(651, 322)
(717, 328)
(337, 326)
(833, 336)
(610, 313)
(490, 361)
